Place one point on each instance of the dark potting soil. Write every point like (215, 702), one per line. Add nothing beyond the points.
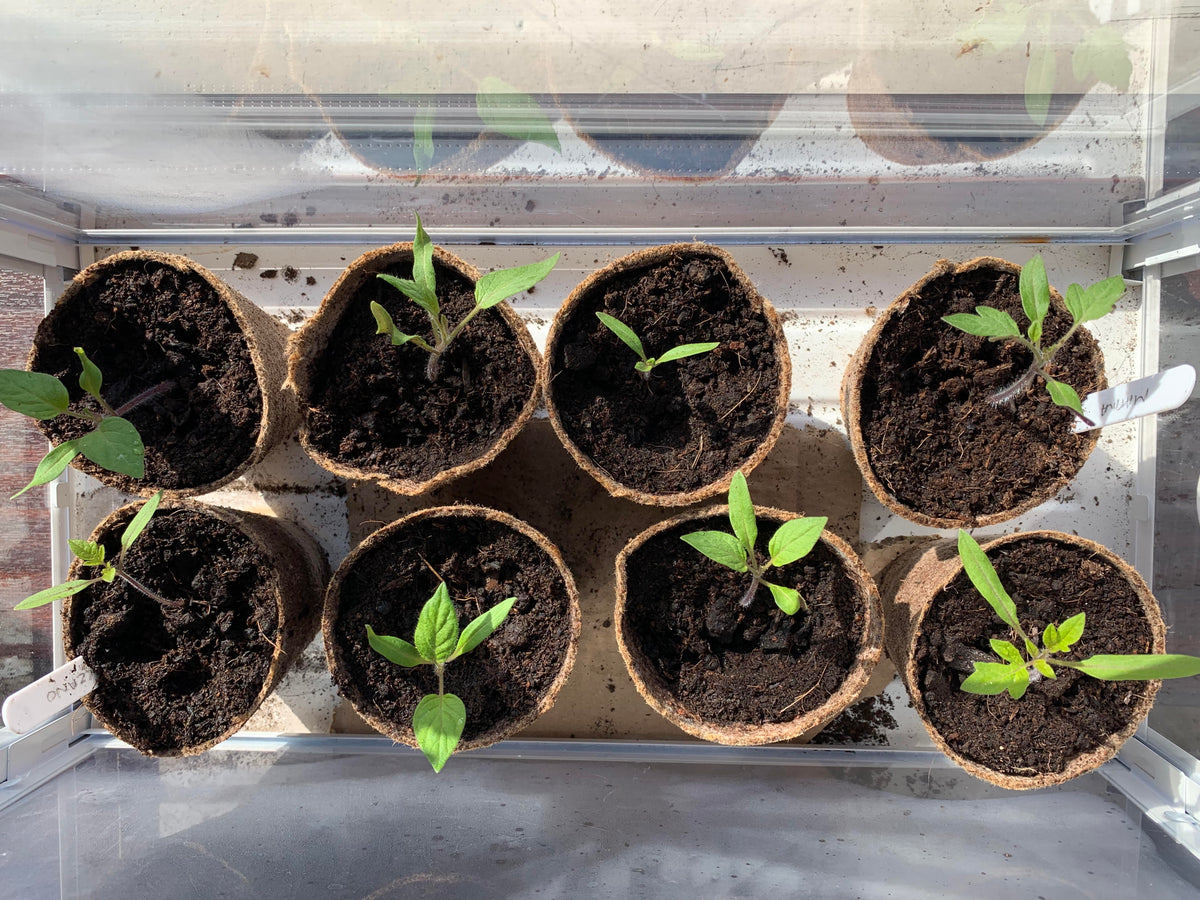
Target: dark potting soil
(372, 405)
(148, 325)
(177, 677)
(483, 562)
(734, 665)
(691, 421)
(934, 440)
(1056, 719)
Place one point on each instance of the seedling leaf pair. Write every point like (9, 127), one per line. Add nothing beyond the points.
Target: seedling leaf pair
(114, 444)
(92, 554)
(490, 290)
(439, 719)
(792, 541)
(1084, 305)
(646, 364)
(1013, 673)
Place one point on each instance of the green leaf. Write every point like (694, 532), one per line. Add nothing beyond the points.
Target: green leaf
(115, 445)
(90, 378)
(1139, 667)
(383, 319)
(1035, 292)
(423, 273)
(139, 522)
(495, 287)
(720, 547)
(1103, 53)
(1039, 82)
(483, 625)
(395, 649)
(514, 114)
(423, 149)
(645, 365)
(1101, 297)
(995, 678)
(1074, 302)
(1007, 652)
(684, 350)
(33, 394)
(985, 322)
(89, 552)
(51, 465)
(1070, 631)
(58, 592)
(438, 724)
(627, 336)
(787, 599)
(741, 512)
(795, 538)
(109, 573)
(1044, 667)
(437, 626)
(1064, 395)
(979, 569)
(419, 295)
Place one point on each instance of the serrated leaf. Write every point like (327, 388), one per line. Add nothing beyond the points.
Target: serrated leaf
(992, 323)
(423, 148)
(1044, 667)
(720, 547)
(496, 287)
(58, 592)
(33, 394)
(438, 723)
(1071, 630)
(1035, 291)
(90, 379)
(419, 295)
(1039, 82)
(1007, 652)
(741, 512)
(1139, 667)
(1050, 638)
(994, 678)
(644, 365)
(483, 625)
(1064, 395)
(437, 626)
(139, 522)
(787, 599)
(51, 465)
(516, 115)
(626, 335)
(109, 574)
(396, 650)
(88, 552)
(1101, 297)
(115, 445)
(1017, 689)
(1074, 302)
(795, 539)
(685, 350)
(979, 569)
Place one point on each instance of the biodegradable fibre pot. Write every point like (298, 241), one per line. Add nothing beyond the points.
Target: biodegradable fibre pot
(370, 410)
(751, 675)
(915, 398)
(174, 681)
(484, 557)
(196, 367)
(937, 623)
(678, 435)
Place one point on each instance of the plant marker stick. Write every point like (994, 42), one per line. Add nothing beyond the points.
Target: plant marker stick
(1154, 394)
(35, 703)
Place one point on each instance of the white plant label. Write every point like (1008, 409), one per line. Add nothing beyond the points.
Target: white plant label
(37, 702)
(1153, 394)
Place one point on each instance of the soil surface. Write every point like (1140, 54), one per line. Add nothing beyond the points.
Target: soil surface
(933, 438)
(1056, 719)
(383, 414)
(173, 678)
(483, 562)
(691, 421)
(733, 665)
(149, 326)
